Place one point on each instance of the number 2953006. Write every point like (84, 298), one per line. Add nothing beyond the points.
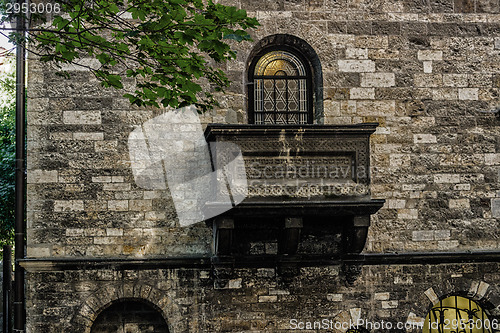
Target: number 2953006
(33, 8)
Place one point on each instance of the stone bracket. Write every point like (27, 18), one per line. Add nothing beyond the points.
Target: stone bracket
(290, 236)
(354, 234)
(223, 228)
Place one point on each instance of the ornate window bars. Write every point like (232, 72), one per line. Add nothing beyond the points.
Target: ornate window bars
(281, 90)
(457, 314)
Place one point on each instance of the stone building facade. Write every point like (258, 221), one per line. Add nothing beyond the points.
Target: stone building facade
(105, 255)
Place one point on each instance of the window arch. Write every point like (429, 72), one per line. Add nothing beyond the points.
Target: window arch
(448, 315)
(285, 82)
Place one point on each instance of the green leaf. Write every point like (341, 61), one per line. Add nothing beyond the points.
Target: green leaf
(166, 46)
(115, 81)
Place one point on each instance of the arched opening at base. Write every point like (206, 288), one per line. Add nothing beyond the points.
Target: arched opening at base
(130, 316)
(457, 314)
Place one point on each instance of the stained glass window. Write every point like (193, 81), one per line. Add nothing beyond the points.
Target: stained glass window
(280, 93)
(457, 314)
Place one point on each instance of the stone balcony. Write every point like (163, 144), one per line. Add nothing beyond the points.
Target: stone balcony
(307, 191)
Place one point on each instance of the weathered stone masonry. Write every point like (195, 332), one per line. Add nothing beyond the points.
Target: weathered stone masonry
(424, 70)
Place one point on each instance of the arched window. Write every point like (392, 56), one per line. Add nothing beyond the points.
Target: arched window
(281, 89)
(457, 314)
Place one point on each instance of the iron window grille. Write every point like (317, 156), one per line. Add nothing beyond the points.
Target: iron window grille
(281, 92)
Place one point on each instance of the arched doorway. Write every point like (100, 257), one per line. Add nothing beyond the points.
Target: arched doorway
(130, 316)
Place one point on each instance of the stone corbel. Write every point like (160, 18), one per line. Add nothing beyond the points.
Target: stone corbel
(223, 261)
(355, 233)
(223, 228)
(290, 236)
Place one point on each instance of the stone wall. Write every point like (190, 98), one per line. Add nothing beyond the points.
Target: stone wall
(427, 71)
(258, 300)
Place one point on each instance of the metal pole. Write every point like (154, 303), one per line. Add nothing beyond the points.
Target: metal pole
(19, 307)
(7, 288)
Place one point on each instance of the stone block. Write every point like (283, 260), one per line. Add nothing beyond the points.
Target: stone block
(117, 179)
(427, 67)
(390, 304)
(446, 178)
(106, 240)
(462, 187)
(428, 80)
(375, 108)
(105, 146)
(382, 296)
(468, 94)
(487, 6)
(408, 214)
(492, 159)
(42, 176)
(235, 284)
(464, 6)
(442, 234)
(355, 314)
(414, 320)
(359, 27)
(447, 245)
(274, 291)
(429, 55)
(455, 80)
(495, 208)
(101, 179)
(39, 251)
(378, 80)
(431, 295)
(68, 205)
(396, 203)
(445, 94)
(422, 235)
(372, 42)
(362, 93)
(268, 299)
(140, 205)
(424, 138)
(334, 297)
(96, 136)
(356, 66)
(117, 187)
(355, 53)
(459, 203)
(116, 232)
(75, 232)
(82, 117)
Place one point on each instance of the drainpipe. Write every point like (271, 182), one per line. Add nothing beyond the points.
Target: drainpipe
(19, 229)
(7, 288)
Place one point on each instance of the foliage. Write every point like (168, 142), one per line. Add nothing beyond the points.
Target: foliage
(7, 152)
(171, 47)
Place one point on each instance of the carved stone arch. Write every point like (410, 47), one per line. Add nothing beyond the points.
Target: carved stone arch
(127, 304)
(481, 292)
(112, 293)
(302, 48)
